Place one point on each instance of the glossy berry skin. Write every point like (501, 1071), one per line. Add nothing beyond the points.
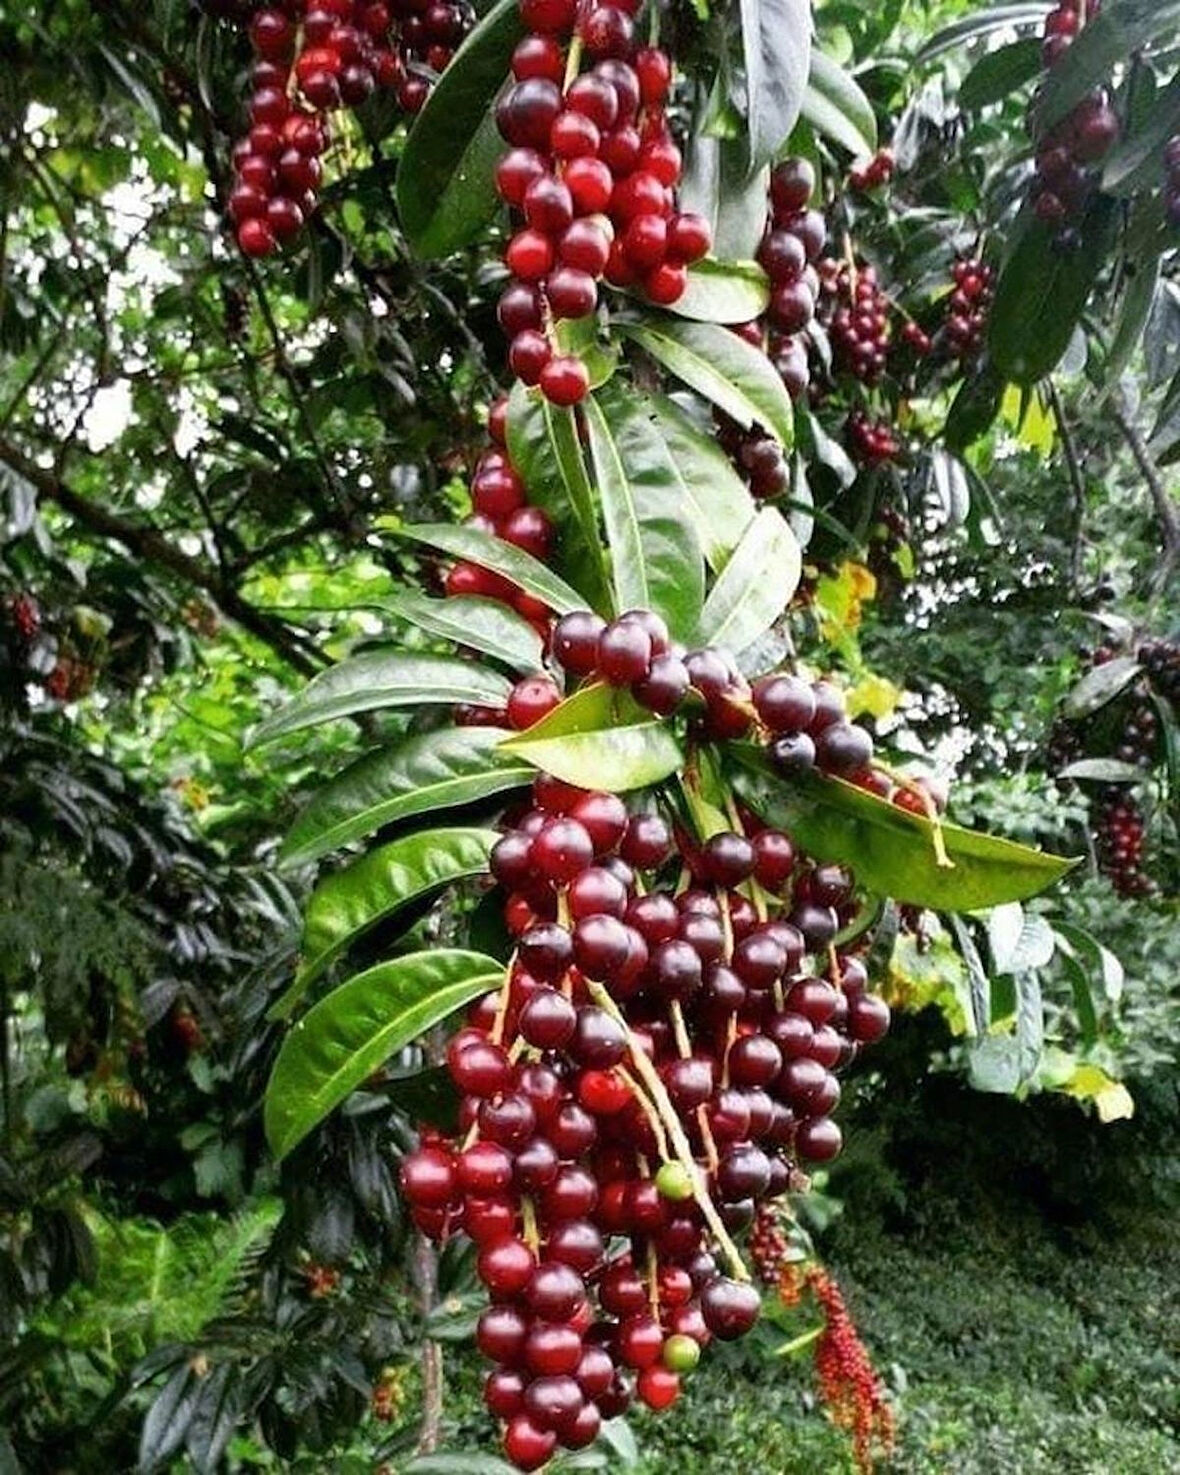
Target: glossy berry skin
(530, 700)
(730, 1308)
(624, 653)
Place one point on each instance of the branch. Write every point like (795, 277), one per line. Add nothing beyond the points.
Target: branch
(1076, 483)
(148, 544)
(426, 1274)
(1166, 510)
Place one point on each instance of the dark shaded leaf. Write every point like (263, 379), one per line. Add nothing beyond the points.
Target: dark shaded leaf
(836, 107)
(776, 46)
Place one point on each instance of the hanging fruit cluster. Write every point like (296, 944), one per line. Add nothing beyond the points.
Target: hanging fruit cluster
(1067, 152)
(313, 57)
(855, 312)
(660, 1060)
(590, 176)
(967, 309)
(874, 172)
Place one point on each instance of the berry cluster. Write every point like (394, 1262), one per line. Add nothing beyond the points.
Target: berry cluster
(1067, 152)
(875, 172)
(312, 57)
(25, 614)
(967, 308)
(1120, 840)
(657, 1061)
(1172, 181)
(871, 442)
(1160, 659)
(856, 314)
(589, 174)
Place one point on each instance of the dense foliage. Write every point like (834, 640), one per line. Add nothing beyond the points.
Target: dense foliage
(938, 395)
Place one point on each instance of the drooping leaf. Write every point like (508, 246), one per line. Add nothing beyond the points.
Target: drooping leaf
(600, 739)
(656, 560)
(446, 177)
(974, 408)
(484, 625)
(214, 1418)
(891, 851)
(1134, 162)
(349, 1034)
(421, 774)
(1019, 940)
(982, 22)
(167, 1420)
(719, 185)
(384, 678)
(1103, 771)
(1101, 685)
(776, 47)
(547, 454)
(999, 73)
(346, 904)
(490, 552)
(1101, 962)
(730, 373)
(755, 586)
(836, 107)
(1003, 1063)
(1042, 292)
(712, 493)
(723, 292)
(1105, 41)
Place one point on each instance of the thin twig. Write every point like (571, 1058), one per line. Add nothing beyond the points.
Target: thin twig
(1166, 510)
(1076, 481)
(426, 1270)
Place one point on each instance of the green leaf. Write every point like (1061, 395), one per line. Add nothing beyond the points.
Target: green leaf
(600, 739)
(1003, 1063)
(1138, 297)
(486, 550)
(718, 185)
(547, 454)
(723, 292)
(1042, 292)
(999, 73)
(347, 903)
(656, 560)
(446, 176)
(776, 46)
(755, 585)
(380, 679)
(835, 106)
(1104, 771)
(1100, 961)
(982, 23)
(712, 493)
(978, 983)
(1109, 38)
(892, 851)
(424, 773)
(1019, 940)
(484, 625)
(1134, 162)
(349, 1034)
(727, 371)
(443, 1463)
(1100, 686)
(975, 407)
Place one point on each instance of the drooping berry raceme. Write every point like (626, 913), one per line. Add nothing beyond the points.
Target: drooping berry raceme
(589, 177)
(967, 309)
(856, 314)
(313, 57)
(1067, 153)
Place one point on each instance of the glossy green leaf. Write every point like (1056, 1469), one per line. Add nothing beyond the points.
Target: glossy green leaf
(446, 176)
(488, 551)
(1101, 685)
(981, 22)
(1105, 41)
(732, 374)
(421, 774)
(891, 851)
(974, 408)
(384, 678)
(347, 903)
(655, 558)
(755, 586)
(714, 496)
(485, 625)
(547, 454)
(723, 292)
(1042, 292)
(600, 739)
(997, 74)
(776, 48)
(718, 185)
(836, 107)
(349, 1034)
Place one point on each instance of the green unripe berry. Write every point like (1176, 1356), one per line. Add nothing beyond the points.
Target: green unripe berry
(681, 1354)
(674, 1181)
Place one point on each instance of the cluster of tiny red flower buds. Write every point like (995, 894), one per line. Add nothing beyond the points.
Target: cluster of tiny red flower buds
(856, 314)
(25, 614)
(1067, 153)
(967, 308)
(313, 57)
(771, 1251)
(871, 442)
(590, 176)
(851, 1390)
(661, 1055)
(873, 172)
